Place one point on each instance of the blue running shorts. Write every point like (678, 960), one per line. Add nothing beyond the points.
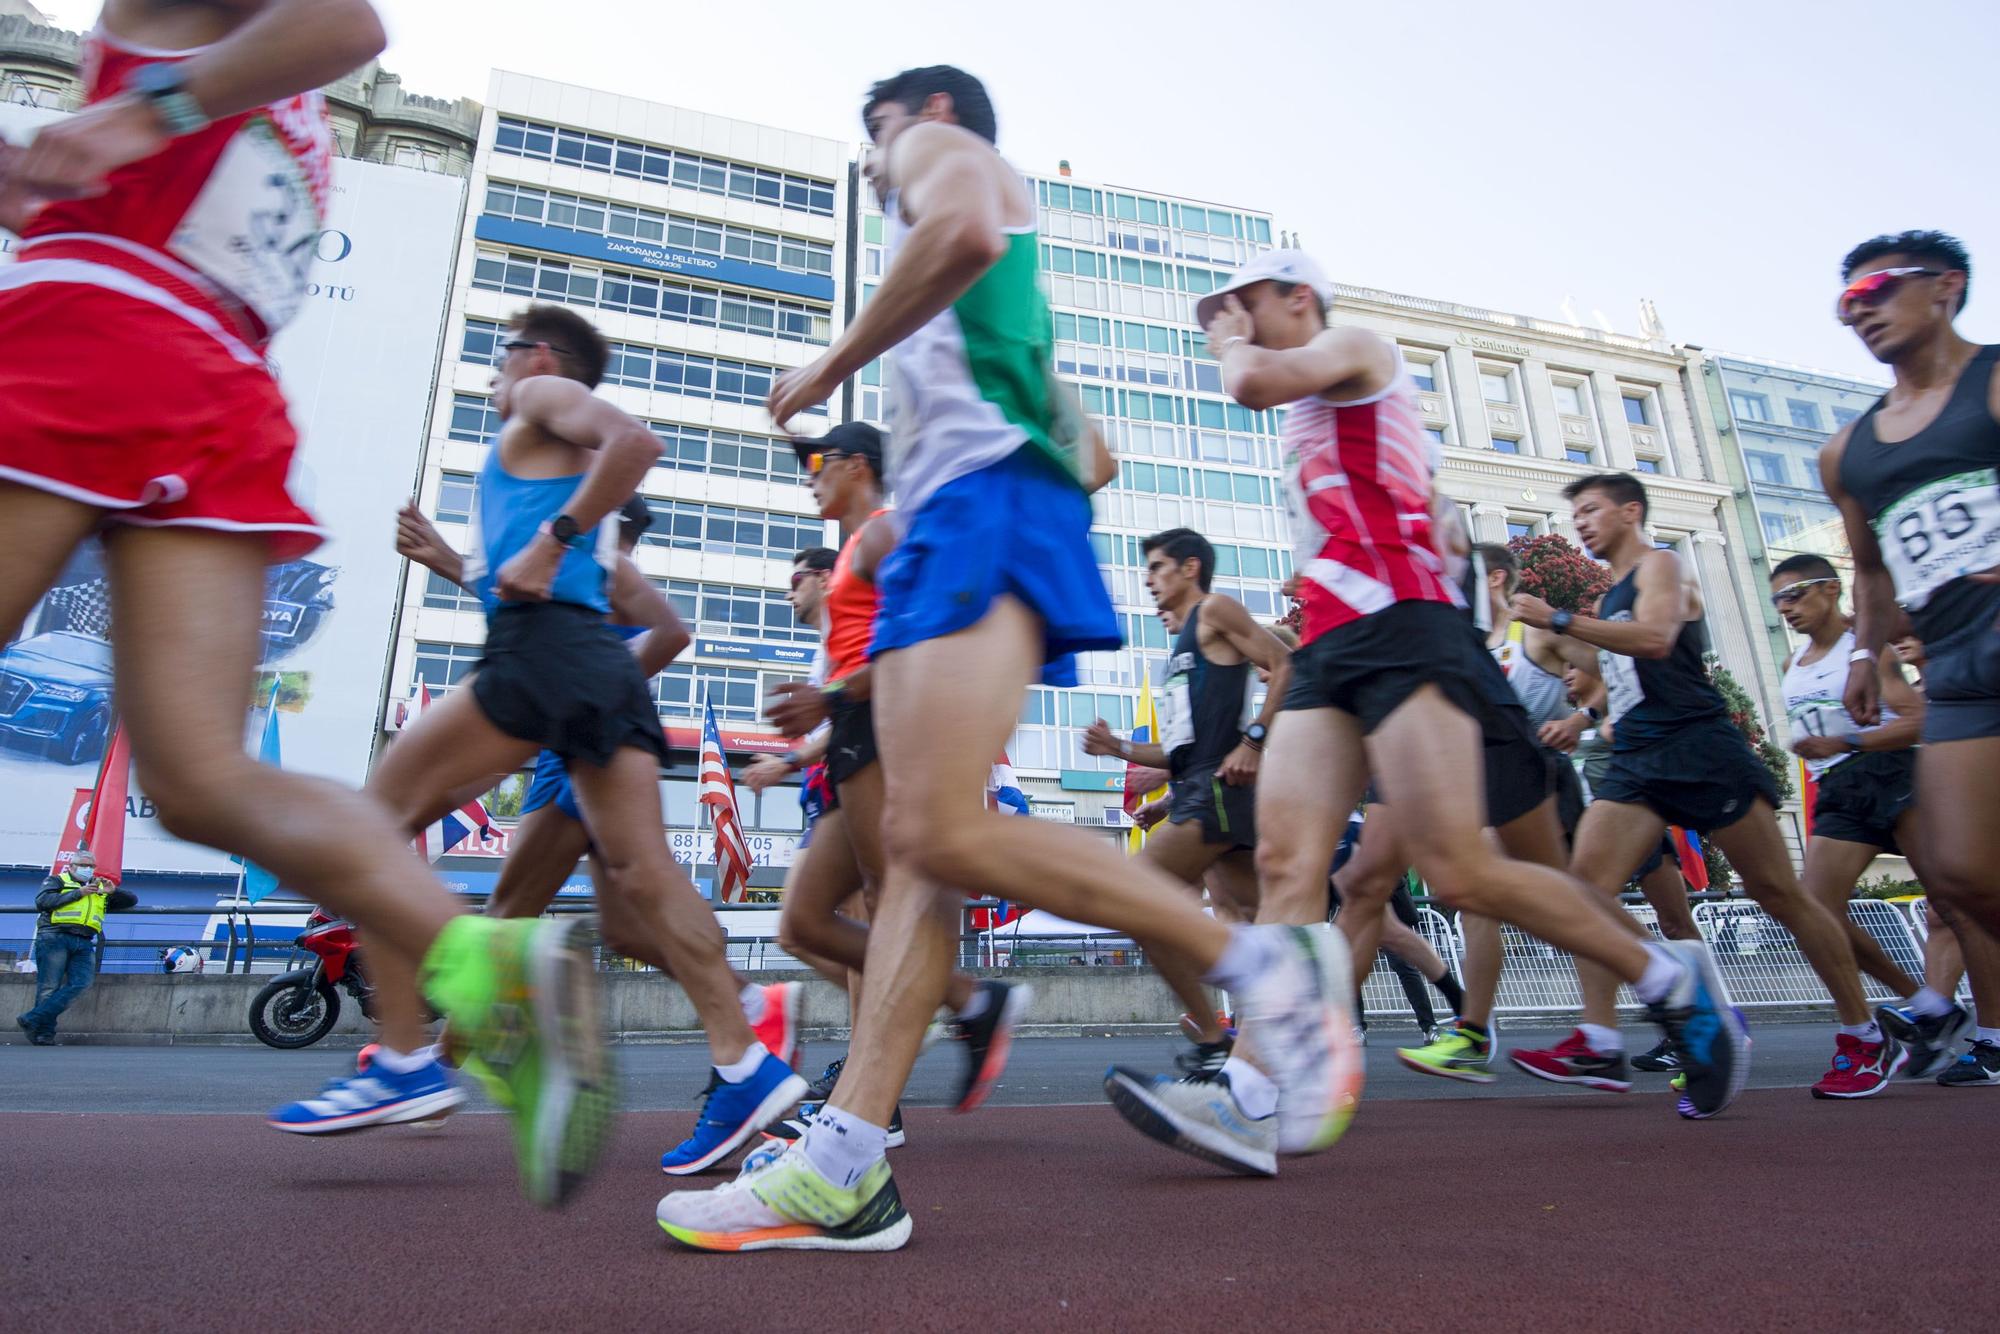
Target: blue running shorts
(551, 785)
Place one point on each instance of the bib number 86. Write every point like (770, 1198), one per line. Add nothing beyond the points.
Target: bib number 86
(1946, 516)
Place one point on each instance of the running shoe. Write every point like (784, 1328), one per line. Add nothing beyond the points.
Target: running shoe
(523, 999)
(781, 1202)
(1706, 1030)
(1930, 1039)
(376, 1096)
(1299, 1010)
(1204, 1060)
(822, 1088)
(1573, 1061)
(989, 1038)
(1860, 1069)
(1198, 1115)
(1980, 1065)
(1661, 1060)
(731, 1114)
(794, 1126)
(1452, 1054)
(778, 1030)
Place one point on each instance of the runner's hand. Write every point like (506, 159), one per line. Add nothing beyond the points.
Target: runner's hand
(1231, 321)
(765, 771)
(797, 391)
(796, 707)
(1863, 696)
(1239, 767)
(1531, 610)
(1150, 814)
(1818, 747)
(70, 158)
(417, 539)
(1097, 740)
(1563, 734)
(531, 573)
(1910, 651)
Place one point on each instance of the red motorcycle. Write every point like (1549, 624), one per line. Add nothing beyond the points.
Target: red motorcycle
(298, 1008)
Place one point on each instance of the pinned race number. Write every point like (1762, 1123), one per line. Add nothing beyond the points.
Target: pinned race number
(1940, 532)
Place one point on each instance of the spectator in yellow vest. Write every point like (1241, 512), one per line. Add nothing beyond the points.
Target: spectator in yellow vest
(72, 905)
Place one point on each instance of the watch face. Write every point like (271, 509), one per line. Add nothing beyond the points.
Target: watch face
(564, 528)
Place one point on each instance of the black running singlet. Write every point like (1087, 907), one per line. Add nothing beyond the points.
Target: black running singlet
(1652, 698)
(1934, 503)
(1207, 703)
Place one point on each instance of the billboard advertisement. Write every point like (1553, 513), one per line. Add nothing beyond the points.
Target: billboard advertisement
(358, 365)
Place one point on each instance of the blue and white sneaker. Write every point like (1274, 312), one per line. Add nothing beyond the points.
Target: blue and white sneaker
(375, 1097)
(732, 1113)
(1707, 1030)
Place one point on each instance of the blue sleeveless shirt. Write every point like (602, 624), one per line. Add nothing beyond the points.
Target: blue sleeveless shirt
(508, 511)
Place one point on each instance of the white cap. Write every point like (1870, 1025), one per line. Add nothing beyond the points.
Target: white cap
(1282, 266)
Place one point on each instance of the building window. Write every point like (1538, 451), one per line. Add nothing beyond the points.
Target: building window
(1644, 464)
(1570, 398)
(1435, 436)
(1505, 446)
(444, 595)
(441, 666)
(1579, 454)
(1519, 527)
(598, 217)
(1749, 407)
(1425, 372)
(423, 157)
(1638, 409)
(682, 689)
(454, 502)
(473, 419)
(1782, 527)
(686, 525)
(1805, 415)
(1496, 386)
(1766, 467)
(724, 609)
(546, 278)
(22, 90)
(668, 166)
(660, 369)
(1842, 416)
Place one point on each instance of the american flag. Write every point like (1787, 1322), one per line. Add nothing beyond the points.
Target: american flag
(718, 791)
(457, 826)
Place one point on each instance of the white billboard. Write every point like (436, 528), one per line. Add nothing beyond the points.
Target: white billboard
(359, 366)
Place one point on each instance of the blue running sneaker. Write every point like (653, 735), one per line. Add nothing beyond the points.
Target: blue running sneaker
(376, 1096)
(731, 1114)
(1707, 1030)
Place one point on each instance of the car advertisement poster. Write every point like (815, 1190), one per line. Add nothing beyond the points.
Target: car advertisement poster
(358, 366)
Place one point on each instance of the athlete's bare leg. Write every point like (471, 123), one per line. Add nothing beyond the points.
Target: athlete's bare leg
(1944, 958)
(1961, 838)
(1611, 841)
(943, 709)
(1178, 850)
(43, 532)
(1970, 951)
(1307, 785)
(1757, 851)
(1427, 754)
(544, 849)
(819, 883)
(185, 602)
(862, 800)
(1485, 952)
(1232, 886)
(1367, 882)
(1667, 891)
(1833, 866)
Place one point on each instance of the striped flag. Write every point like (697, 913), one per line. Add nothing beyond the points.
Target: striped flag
(718, 793)
(1147, 730)
(457, 826)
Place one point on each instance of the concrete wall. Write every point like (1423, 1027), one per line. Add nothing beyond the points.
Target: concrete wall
(157, 1008)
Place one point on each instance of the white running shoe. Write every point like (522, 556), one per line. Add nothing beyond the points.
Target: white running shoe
(1299, 1020)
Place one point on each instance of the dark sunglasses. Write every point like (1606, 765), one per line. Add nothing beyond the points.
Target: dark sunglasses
(1872, 289)
(522, 344)
(816, 462)
(1791, 593)
(800, 576)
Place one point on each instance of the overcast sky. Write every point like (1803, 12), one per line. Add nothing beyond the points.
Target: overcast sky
(1716, 156)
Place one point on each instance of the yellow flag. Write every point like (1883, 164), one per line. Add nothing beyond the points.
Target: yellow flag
(1146, 730)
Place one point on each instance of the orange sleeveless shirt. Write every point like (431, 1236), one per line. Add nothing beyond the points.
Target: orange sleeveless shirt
(850, 614)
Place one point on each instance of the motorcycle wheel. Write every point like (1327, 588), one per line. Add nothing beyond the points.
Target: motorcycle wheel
(290, 1012)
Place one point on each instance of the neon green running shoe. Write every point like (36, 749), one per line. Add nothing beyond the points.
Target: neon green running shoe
(523, 996)
(1452, 1054)
(781, 1202)
(1679, 1083)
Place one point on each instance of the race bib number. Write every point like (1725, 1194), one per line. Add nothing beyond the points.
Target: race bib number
(1621, 679)
(1940, 532)
(255, 225)
(1177, 724)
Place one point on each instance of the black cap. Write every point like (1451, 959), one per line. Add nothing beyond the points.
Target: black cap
(847, 438)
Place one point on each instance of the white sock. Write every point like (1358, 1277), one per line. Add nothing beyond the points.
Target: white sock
(1256, 1092)
(1243, 960)
(1868, 1032)
(753, 1056)
(843, 1146)
(1928, 1003)
(976, 1005)
(1662, 971)
(1604, 1041)
(754, 1006)
(1985, 1034)
(402, 1063)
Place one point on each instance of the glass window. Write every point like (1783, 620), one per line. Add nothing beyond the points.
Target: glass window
(1569, 398)
(443, 594)
(623, 157)
(1435, 435)
(1424, 374)
(1748, 406)
(441, 666)
(1506, 446)
(454, 503)
(1496, 386)
(1766, 467)
(1638, 409)
(1842, 416)
(1519, 528)
(1577, 455)
(1805, 414)
(1644, 464)
(1781, 526)
(575, 213)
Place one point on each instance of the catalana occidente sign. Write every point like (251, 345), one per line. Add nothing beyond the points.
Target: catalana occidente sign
(646, 255)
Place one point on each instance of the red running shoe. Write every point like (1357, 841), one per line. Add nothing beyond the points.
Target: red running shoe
(778, 1030)
(1572, 1061)
(1860, 1069)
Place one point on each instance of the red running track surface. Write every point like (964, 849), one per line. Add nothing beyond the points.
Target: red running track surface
(1547, 1213)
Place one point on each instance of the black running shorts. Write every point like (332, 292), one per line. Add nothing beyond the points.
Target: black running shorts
(1371, 666)
(1860, 799)
(553, 673)
(1703, 777)
(1962, 689)
(1227, 814)
(1658, 858)
(850, 746)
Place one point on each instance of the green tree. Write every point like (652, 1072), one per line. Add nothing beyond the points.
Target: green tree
(1555, 570)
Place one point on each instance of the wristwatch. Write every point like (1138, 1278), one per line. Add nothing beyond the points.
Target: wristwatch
(164, 86)
(1596, 715)
(565, 530)
(1560, 621)
(791, 757)
(1853, 740)
(1255, 734)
